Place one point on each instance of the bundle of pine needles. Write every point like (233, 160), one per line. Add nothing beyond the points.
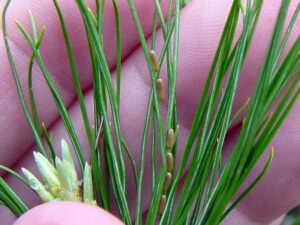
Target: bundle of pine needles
(209, 184)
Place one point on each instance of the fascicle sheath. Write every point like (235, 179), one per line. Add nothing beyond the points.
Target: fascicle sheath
(66, 153)
(88, 195)
(37, 186)
(48, 173)
(72, 174)
(70, 170)
(62, 175)
(160, 89)
(67, 185)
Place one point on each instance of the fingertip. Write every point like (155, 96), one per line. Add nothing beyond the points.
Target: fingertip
(67, 213)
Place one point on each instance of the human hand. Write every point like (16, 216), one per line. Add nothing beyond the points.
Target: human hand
(201, 25)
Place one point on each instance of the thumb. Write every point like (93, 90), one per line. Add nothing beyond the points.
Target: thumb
(67, 213)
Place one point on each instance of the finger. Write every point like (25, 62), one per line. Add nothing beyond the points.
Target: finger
(27, 161)
(278, 190)
(200, 33)
(198, 41)
(56, 60)
(67, 213)
(236, 218)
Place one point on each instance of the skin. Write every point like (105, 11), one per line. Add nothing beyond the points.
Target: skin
(201, 24)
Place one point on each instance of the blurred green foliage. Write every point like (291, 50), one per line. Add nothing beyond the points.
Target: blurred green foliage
(292, 217)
